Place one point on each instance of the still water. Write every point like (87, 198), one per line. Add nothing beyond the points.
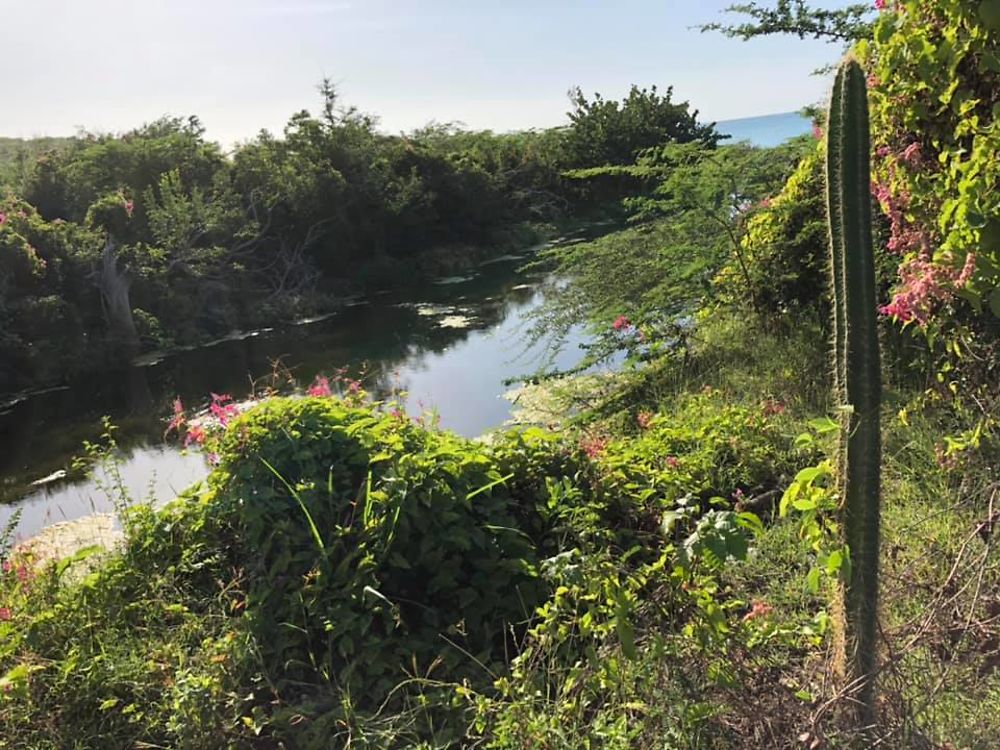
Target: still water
(450, 345)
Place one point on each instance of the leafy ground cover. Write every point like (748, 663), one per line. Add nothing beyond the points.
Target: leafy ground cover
(660, 568)
(349, 578)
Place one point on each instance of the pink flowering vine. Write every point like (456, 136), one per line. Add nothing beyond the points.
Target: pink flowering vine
(223, 408)
(621, 323)
(923, 285)
(895, 200)
(911, 155)
(320, 387)
(195, 434)
(594, 446)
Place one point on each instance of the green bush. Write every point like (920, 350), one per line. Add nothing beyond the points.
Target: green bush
(346, 575)
(375, 547)
(704, 448)
(934, 70)
(784, 246)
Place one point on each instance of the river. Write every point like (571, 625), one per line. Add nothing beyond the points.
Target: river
(449, 344)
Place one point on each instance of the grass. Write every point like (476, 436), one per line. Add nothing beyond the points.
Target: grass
(640, 637)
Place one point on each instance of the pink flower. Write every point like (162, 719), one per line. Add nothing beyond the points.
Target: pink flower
(222, 408)
(817, 132)
(320, 387)
(3, 218)
(7, 567)
(765, 203)
(968, 269)
(196, 435)
(129, 207)
(354, 387)
(911, 154)
(880, 4)
(5, 614)
(759, 609)
(177, 421)
(644, 419)
(594, 446)
(672, 462)
(872, 81)
(621, 323)
(924, 284)
(904, 236)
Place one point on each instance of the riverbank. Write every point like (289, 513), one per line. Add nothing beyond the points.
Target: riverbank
(449, 344)
(172, 561)
(256, 314)
(630, 524)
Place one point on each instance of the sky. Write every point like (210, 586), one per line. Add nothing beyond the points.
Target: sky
(246, 65)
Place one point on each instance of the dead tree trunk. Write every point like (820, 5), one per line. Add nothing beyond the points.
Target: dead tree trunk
(114, 285)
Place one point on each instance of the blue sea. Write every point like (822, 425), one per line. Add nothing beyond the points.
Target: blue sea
(768, 130)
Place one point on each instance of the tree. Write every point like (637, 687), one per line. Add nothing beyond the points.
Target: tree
(798, 18)
(605, 131)
(688, 225)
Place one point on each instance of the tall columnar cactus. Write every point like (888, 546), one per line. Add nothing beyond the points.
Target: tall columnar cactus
(857, 372)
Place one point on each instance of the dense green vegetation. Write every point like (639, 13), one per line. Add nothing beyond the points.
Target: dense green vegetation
(665, 566)
(113, 244)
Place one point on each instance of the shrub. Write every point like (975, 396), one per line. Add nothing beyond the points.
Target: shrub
(784, 246)
(705, 448)
(935, 74)
(375, 546)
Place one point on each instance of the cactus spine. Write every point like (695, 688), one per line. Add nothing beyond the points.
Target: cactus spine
(857, 371)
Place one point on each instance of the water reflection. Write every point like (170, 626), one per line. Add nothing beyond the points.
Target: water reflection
(449, 346)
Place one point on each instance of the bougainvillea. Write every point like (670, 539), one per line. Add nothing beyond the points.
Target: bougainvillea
(935, 102)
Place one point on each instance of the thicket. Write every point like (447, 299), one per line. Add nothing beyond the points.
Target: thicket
(661, 573)
(111, 244)
(348, 577)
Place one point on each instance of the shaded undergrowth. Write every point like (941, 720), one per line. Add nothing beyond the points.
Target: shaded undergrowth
(348, 578)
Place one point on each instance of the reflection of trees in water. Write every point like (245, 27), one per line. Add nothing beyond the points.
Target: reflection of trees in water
(45, 432)
(37, 439)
